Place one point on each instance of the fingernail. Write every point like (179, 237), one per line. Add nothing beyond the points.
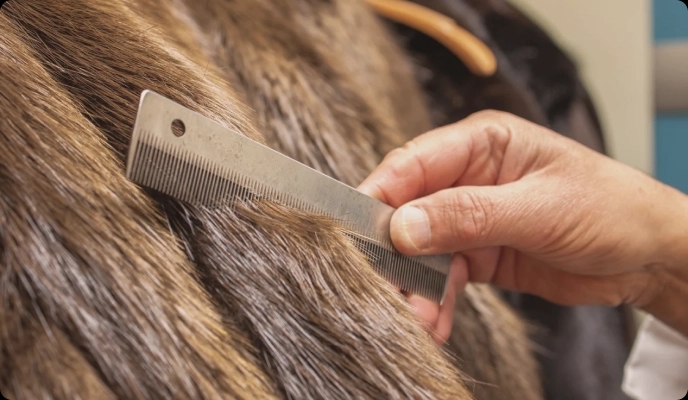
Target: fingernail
(415, 227)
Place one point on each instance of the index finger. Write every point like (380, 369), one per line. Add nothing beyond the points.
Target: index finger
(431, 162)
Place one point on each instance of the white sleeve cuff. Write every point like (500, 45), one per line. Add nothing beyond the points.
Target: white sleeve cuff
(657, 367)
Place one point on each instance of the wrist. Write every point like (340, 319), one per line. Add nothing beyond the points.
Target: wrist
(669, 272)
(669, 300)
(672, 234)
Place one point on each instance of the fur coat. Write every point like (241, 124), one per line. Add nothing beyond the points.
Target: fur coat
(108, 290)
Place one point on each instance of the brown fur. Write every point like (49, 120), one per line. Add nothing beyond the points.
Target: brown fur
(487, 341)
(252, 302)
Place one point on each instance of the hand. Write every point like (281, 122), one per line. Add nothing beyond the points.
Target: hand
(529, 210)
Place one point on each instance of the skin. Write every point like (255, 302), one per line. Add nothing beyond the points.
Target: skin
(526, 209)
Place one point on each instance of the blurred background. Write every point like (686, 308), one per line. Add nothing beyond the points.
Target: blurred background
(633, 57)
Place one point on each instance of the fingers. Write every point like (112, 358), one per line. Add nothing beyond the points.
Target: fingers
(427, 310)
(521, 273)
(464, 218)
(438, 319)
(483, 263)
(458, 278)
(440, 158)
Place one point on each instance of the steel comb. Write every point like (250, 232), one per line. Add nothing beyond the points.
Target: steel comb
(183, 154)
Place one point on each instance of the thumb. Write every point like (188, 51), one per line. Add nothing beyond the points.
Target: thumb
(463, 218)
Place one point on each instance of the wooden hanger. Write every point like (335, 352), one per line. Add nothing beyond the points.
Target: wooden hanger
(475, 54)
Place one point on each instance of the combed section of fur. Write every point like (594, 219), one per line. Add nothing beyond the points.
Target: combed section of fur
(331, 89)
(324, 325)
(324, 321)
(497, 338)
(86, 272)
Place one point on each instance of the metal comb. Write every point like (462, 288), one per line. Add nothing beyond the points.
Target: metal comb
(185, 155)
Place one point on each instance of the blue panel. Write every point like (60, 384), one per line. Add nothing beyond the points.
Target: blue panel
(671, 150)
(670, 20)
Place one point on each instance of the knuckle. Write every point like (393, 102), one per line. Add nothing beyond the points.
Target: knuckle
(498, 133)
(494, 118)
(410, 145)
(495, 125)
(402, 151)
(470, 213)
(404, 161)
(490, 114)
(399, 156)
(394, 162)
(393, 154)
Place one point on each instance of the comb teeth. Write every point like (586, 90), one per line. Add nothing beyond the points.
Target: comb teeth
(210, 165)
(403, 272)
(180, 174)
(185, 176)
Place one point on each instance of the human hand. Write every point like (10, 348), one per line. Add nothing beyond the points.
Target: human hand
(529, 210)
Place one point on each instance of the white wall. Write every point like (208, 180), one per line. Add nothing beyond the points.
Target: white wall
(611, 41)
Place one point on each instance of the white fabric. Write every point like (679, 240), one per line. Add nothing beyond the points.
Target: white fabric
(657, 368)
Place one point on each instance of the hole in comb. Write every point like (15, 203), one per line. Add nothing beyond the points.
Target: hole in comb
(178, 128)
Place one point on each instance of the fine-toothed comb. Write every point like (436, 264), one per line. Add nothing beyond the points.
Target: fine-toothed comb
(182, 154)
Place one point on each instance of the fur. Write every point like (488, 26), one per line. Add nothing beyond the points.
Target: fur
(110, 291)
(153, 298)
